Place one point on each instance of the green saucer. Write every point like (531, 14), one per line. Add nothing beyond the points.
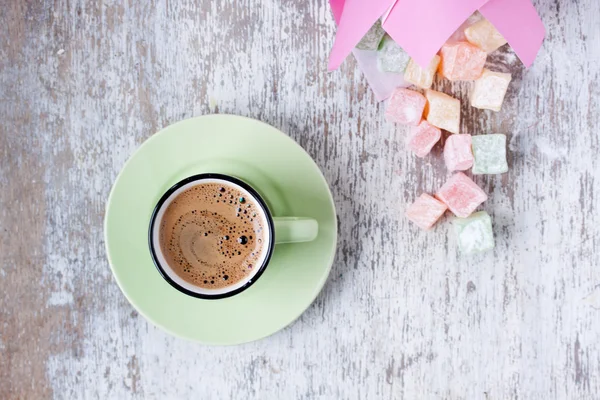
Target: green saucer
(288, 180)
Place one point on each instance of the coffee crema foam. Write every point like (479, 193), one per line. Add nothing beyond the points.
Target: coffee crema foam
(212, 235)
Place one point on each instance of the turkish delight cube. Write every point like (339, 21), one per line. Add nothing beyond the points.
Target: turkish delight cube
(425, 211)
(405, 107)
(489, 152)
(421, 77)
(461, 61)
(391, 57)
(442, 111)
(423, 138)
(485, 36)
(474, 233)
(457, 152)
(461, 195)
(489, 90)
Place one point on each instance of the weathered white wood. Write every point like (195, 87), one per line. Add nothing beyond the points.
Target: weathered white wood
(83, 83)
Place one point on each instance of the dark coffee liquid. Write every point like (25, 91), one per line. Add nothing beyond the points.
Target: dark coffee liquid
(212, 235)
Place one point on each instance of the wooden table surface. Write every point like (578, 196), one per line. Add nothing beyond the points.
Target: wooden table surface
(403, 315)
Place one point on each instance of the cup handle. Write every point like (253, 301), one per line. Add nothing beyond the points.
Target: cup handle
(295, 229)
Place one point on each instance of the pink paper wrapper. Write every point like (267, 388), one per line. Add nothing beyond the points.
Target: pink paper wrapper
(421, 27)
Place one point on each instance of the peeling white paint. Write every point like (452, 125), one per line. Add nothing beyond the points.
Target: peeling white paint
(403, 315)
(593, 299)
(60, 299)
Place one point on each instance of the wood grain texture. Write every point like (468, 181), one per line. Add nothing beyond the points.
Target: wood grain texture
(82, 84)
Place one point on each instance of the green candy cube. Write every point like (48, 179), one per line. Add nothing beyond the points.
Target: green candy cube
(474, 233)
(372, 38)
(391, 57)
(489, 152)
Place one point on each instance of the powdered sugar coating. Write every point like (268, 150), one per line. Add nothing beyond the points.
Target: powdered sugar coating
(474, 234)
(489, 90)
(421, 77)
(461, 195)
(489, 152)
(391, 57)
(425, 211)
(461, 61)
(485, 36)
(405, 107)
(443, 111)
(423, 138)
(457, 152)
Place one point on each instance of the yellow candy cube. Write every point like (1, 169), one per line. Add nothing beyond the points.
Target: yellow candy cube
(442, 111)
(420, 77)
(485, 36)
(489, 90)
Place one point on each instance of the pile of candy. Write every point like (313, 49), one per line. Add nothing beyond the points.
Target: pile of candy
(462, 58)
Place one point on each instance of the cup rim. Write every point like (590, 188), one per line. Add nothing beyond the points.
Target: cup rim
(235, 181)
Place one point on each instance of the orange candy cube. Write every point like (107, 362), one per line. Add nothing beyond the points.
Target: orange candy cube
(442, 111)
(461, 61)
(421, 77)
(425, 211)
(485, 36)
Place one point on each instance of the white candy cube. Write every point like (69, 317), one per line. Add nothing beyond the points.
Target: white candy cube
(474, 233)
(489, 90)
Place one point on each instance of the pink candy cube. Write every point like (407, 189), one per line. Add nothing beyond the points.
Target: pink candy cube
(457, 152)
(405, 107)
(461, 61)
(423, 138)
(425, 211)
(461, 195)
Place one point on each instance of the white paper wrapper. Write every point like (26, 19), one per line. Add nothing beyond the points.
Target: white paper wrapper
(382, 83)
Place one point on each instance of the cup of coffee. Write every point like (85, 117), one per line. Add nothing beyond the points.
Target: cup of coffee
(211, 236)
